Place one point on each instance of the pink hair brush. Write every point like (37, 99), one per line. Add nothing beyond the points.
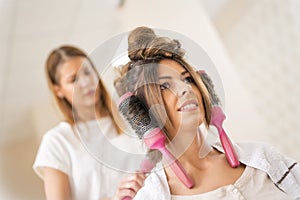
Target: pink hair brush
(217, 119)
(147, 128)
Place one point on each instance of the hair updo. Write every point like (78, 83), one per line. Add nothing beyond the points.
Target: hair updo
(145, 48)
(144, 44)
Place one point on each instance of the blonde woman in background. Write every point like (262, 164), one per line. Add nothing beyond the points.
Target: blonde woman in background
(65, 166)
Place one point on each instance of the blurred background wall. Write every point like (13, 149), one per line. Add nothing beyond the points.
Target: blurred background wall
(254, 44)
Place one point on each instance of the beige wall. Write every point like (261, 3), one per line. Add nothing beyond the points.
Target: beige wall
(263, 41)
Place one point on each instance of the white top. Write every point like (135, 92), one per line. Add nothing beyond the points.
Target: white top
(90, 177)
(253, 184)
(273, 176)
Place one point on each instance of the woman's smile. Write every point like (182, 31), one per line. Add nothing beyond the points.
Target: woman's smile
(189, 105)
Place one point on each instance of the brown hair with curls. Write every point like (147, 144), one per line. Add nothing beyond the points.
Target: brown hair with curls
(140, 75)
(55, 59)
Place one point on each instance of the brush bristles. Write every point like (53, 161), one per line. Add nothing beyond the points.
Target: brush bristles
(121, 86)
(214, 98)
(135, 112)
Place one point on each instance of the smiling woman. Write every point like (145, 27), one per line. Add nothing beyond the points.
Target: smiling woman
(181, 97)
(180, 102)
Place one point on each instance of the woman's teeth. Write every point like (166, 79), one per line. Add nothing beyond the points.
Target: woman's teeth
(189, 106)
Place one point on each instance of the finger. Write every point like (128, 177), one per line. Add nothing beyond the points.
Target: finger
(126, 193)
(138, 177)
(132, 185)
(135, 175)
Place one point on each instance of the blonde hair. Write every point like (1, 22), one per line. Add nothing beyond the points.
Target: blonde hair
(55, 59)
(146, 50)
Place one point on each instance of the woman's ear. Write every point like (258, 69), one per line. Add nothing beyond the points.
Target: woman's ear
(58, 92)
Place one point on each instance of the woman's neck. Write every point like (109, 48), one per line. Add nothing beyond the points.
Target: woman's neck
(88, 114)
(192, 150)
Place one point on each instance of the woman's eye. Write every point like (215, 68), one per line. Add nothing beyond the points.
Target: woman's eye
(189, 79)
(73, 79)
(164, 86)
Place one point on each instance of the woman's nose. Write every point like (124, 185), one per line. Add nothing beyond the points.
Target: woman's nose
(182, 88)
(84, 81)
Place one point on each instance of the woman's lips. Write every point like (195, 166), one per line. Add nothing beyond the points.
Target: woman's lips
(189, 105)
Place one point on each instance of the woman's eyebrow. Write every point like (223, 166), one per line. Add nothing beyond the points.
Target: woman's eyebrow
(164, 77)
(169, 77)
(184, 72)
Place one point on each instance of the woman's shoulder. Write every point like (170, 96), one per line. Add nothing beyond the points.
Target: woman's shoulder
(259, 155)
(258, 148)
(61, 130)
(248, 147)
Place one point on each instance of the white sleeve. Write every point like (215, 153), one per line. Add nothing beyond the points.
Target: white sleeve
(52, 153)
(146, 192)
(155, 187)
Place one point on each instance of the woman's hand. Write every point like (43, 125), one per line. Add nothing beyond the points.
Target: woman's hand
(129, 186)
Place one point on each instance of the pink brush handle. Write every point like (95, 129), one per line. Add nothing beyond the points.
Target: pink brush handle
(176, 167)
(147, 165)
(229, 150)
(155, 139)
(217, 119)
